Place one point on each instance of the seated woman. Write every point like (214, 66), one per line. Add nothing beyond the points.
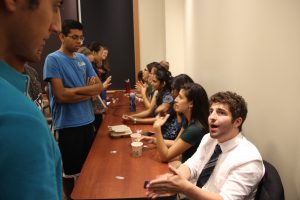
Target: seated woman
(160, 103)
(99, 106)
(144, 88)
(100, 64)
(140, 77)
(192, 102)
(174, 123)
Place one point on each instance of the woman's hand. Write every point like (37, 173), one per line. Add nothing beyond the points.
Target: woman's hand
(143, 89)
(160, 120)
(107, 83)
(127, 118)
(139, 86)
(149, 139)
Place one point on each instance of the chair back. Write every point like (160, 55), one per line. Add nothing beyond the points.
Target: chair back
(270, 187)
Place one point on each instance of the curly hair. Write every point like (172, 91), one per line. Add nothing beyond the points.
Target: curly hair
(236, 103)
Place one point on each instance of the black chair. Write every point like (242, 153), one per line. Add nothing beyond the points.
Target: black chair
(270, 187)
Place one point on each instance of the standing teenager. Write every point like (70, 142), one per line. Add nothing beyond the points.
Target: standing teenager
(72, 84)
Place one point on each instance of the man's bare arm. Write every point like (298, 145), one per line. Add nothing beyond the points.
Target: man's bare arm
(66, 95)
(93, 88)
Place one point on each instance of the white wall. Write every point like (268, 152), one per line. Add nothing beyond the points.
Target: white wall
(174, 27)
(152, 31)
(253, 48)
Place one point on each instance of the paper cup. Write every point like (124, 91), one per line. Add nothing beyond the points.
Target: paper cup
(137, 148)
(135, 137)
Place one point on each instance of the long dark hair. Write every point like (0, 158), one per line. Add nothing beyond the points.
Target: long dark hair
(105, 63)
(200, 111)
(95, 46)
(164, 76)
(179, 80)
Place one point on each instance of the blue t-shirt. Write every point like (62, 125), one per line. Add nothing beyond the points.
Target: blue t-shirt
(73, 72)
(164, 97)
(172, 127)
(30, 163)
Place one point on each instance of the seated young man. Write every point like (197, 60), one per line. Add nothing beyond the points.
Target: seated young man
(226, 164)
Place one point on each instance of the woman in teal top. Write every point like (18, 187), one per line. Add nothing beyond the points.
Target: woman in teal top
(192, 102)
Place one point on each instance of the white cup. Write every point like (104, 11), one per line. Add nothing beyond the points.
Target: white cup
(137, 148)
(135, 137)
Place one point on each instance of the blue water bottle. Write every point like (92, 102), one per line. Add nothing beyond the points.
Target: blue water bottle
(132, 105)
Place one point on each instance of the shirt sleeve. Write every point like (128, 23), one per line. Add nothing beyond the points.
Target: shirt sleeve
(51, 69)
(242, 181)
(30, 163)
(168, 98)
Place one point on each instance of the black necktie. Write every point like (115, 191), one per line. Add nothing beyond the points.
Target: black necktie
(209, 167)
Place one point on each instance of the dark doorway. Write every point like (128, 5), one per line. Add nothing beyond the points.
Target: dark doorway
(111, 23)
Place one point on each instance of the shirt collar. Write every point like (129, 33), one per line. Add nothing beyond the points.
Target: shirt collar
(230, 144)
(18, 80)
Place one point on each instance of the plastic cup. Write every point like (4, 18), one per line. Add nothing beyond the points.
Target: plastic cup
(135, 137)
(137, 148)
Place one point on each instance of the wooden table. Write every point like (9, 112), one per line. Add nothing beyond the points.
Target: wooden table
(110, 172)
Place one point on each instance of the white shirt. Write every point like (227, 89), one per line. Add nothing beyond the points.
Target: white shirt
(238, 171)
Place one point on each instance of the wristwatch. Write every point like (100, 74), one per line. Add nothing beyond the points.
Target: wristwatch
(134, 120)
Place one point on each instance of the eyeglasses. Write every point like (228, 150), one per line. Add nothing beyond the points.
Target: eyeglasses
(76, 37)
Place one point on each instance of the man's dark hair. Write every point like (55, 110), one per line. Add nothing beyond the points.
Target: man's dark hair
(69, 24)
(236, 104)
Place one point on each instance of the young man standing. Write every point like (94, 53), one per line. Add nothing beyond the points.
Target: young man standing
(72, 84)
(30, 164)
(226, 165)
